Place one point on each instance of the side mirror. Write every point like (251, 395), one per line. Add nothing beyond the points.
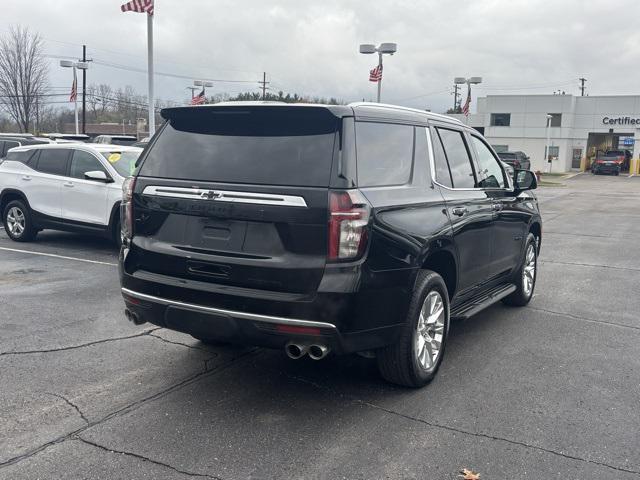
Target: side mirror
(98, 176)
(524, 180)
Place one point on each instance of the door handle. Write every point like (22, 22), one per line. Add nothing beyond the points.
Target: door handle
(26, 177)
(459, 211)
(497, 207)
(69, 184)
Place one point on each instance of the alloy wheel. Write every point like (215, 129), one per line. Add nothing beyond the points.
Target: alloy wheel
(16, 221)
(529, 270)
(430, 330)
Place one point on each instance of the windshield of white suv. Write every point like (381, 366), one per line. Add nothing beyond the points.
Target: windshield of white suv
(123, 162)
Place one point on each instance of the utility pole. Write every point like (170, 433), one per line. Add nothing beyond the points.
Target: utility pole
(582, 87)
(456, 87)
(84, 91)
(264, 84)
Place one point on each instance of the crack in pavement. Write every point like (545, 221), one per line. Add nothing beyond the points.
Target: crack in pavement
(458, 430)
(131, 407)
(583, 319)
(71, 404)
(591, 265)
(146, 459)
(177, 343)
(82, 345)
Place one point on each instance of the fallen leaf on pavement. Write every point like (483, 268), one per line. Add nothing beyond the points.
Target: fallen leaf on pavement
(469, 474)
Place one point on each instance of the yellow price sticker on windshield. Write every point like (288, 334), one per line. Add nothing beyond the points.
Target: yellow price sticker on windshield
(114, 157)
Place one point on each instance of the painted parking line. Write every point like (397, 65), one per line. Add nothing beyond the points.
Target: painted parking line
(58, 256)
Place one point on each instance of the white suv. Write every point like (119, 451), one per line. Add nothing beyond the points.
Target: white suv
(73, 187)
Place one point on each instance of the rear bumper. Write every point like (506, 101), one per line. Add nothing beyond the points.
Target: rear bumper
(349, 321)
(251, 329)
(607, 168)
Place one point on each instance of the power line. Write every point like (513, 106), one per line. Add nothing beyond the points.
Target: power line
(420, 96)
(166, 74)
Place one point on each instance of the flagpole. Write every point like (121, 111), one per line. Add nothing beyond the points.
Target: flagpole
(152, 113)
(75, 97)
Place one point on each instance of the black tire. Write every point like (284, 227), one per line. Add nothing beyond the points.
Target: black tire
(522, 295)
(398, 363)
(12, 209)
(117, 233)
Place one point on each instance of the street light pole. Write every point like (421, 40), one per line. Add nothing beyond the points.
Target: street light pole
(380, 80)
(546, 148)
(383, 48)
(75, 65)
(204, 84)
(468, 82)
(75, 100)
(84, 91)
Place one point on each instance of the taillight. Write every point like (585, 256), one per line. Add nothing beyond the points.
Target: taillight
(348, 220)
(126, 207)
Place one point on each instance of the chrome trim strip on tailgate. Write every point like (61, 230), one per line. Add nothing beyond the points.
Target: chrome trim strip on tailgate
(230, 313)
(225, 196)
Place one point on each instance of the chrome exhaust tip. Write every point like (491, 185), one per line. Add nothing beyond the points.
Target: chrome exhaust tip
(295, 351)
(134, 317)
(318, 352)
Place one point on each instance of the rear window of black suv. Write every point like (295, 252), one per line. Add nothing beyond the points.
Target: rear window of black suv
(255, 145)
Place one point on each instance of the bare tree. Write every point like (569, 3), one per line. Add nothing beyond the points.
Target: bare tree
(23, 74)
(100, 98)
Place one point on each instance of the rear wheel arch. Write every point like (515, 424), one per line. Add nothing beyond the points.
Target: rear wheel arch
(443, 262)
(9, 195)
(536, 229)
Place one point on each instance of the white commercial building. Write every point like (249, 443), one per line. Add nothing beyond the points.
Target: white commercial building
(579, 126)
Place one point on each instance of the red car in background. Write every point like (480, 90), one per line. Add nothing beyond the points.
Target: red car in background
(609, 162)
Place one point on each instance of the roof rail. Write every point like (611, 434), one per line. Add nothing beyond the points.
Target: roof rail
(406, 109)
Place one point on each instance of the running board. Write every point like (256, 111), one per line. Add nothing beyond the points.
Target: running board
(480, 302)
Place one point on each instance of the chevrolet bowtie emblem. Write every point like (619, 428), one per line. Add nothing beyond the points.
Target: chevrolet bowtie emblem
(210, 195)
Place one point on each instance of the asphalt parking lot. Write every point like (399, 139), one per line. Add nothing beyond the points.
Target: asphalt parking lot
(543, 392)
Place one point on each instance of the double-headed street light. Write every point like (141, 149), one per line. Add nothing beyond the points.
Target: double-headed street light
(469, 81)
(382, 49)
(203, 84)
(74, 92)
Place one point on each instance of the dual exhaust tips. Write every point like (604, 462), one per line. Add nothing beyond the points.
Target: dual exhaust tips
(296, 351)
(134, 317)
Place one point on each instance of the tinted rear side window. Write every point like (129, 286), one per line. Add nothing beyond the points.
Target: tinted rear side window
(384, 153)
(263, 145)
(22, 157)
(53, 161)
(458, 157)
(443, 176)
(7, 144)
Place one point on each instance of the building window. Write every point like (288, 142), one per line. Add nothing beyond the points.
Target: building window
(554, 152)
(556, 119)
(500, 148)
(500, 119)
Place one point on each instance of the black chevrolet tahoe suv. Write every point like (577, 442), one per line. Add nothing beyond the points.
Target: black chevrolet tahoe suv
(322, 229)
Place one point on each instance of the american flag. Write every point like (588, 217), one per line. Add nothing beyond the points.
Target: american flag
(74, 88)
(467, 104)
(139, 6)
(198, 99)
(375, 75)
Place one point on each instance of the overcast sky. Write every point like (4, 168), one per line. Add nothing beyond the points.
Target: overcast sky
(311, 47)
